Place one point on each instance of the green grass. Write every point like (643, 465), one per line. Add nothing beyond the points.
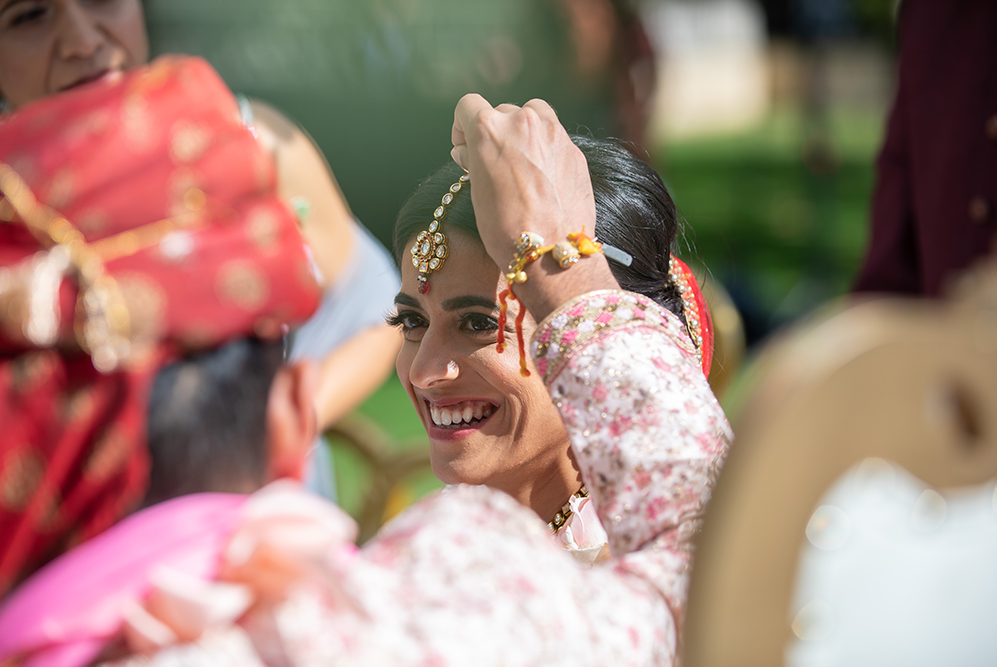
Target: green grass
(785, 232)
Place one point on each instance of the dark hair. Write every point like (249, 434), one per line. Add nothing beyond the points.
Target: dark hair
(633, 209)
(207, 420)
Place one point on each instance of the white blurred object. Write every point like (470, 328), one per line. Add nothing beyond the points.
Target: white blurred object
(894, 572)
(713, 71)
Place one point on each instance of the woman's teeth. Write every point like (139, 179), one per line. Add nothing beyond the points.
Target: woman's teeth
(467, 413)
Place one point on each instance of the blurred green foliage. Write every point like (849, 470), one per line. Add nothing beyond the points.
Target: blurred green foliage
(375, 83)
(876, 17)
(779, 221)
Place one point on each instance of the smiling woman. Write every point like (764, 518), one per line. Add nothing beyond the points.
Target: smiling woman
(47, 46)
(488, 424)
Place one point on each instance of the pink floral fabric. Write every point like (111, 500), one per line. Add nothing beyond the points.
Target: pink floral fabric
(469, 576)
(648, 434)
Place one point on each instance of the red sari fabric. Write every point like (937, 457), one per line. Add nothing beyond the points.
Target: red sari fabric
(177, 198)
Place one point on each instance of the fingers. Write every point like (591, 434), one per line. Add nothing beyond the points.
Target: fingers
(548, 119)
(507, 108)
(472, 111)
(544, 110)
(472, 106)
(468, 109)
(459, 155)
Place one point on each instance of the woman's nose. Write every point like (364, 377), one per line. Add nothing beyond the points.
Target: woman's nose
(434, 362)
(79, 34)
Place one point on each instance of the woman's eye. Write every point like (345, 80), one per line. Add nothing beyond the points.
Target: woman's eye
(410, 323)
(28, 15)
(478, 323)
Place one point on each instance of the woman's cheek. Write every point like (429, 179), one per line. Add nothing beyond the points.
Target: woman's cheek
(403, 365)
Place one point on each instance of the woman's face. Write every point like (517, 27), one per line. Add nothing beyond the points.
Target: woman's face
(486, 423)
(47, 46)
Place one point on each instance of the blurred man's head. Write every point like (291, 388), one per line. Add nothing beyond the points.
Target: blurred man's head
(229, 420)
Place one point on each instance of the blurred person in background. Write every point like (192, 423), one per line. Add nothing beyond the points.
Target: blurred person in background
(610, 42)
(50, 46)
(202, 577)
(933, 207)
(487, 424)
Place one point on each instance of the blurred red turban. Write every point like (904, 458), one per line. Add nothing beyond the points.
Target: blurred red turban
(139, 222)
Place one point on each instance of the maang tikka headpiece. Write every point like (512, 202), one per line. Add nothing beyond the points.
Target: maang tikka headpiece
(430, 249)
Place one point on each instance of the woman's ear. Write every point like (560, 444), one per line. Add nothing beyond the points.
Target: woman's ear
(291, 420)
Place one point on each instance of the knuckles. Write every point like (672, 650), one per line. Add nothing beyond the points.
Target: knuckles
(523, 121)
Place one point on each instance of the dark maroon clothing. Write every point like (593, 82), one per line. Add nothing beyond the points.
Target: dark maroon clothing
(933, 209)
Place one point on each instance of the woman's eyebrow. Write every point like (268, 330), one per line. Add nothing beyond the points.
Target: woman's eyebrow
(459, 302)
(403, 299)
(10, 3)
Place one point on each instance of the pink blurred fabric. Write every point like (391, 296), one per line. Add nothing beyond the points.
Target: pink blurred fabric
(65, 614)
(170, 573)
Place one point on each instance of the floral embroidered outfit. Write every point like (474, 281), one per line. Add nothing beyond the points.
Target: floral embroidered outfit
(469, 576)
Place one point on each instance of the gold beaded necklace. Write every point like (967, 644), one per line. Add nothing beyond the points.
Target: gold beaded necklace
(565, 512)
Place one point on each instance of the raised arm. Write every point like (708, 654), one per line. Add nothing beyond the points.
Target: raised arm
(646, 430)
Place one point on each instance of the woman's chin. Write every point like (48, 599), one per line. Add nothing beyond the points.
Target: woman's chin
(452, 467)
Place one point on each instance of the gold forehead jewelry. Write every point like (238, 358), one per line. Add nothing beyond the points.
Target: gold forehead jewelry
(430, 249)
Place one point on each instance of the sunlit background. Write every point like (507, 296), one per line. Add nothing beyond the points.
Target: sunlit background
(762, 117)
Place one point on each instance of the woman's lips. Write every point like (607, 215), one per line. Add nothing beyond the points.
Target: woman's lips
(90, 78)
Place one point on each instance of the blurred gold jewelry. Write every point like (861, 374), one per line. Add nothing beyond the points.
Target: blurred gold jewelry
(102, 323)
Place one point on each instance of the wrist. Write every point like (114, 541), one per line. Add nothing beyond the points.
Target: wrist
(549, 286)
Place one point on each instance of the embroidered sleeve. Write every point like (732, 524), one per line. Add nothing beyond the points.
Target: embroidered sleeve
(648, 434)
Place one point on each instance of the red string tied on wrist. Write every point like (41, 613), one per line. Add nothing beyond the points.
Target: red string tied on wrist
(504, 297)
(529, 249)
